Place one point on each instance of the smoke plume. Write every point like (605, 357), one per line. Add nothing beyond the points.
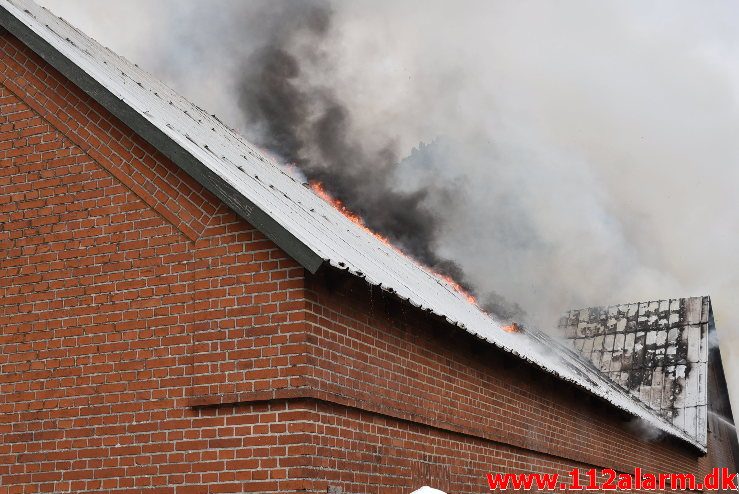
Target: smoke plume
(307, 125)
(311, 128)
(574, 154)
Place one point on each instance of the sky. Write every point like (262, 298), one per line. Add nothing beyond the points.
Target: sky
(571, 154)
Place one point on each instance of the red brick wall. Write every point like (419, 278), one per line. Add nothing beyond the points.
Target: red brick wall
(373, 353)
(375, 454)
(135, 310)
(125, 290)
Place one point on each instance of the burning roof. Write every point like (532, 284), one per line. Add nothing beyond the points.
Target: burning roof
(304, 225)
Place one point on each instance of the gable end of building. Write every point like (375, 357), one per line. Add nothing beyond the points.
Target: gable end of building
(172, 150)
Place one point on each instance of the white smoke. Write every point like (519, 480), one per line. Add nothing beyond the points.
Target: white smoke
(644, 430)
(595, 142)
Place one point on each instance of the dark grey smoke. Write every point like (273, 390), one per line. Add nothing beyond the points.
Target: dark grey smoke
(309, 126)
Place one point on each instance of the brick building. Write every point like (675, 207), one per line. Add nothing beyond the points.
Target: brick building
(179, 315)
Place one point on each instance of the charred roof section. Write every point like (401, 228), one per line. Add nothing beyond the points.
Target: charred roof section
(657, 351)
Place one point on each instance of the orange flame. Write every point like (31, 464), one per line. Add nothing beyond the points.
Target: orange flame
(512, 328)
(457, 287)
(321, 192)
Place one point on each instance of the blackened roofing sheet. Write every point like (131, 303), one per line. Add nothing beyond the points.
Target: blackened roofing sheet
(657, 351)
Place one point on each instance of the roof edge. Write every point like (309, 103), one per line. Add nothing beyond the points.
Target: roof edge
(704, 297)
(258, 218)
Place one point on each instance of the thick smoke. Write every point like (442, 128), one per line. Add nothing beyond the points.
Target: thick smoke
(311, 128)
(578, 153)
(307, 125)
